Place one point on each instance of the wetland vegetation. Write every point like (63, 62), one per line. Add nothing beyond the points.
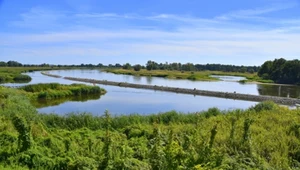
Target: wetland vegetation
(174, 74)
(265, 136)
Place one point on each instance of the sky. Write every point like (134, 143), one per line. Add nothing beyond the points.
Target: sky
(247, 32)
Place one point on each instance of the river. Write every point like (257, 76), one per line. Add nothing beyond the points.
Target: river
(120, 100)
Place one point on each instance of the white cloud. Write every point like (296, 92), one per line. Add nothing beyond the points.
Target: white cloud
(257, 13)
(192, 39)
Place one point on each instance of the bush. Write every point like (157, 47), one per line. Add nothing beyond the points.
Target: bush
(137, 67)
(266, 105)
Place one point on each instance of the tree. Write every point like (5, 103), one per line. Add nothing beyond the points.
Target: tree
(100, 65)
(118, 65)
(127, 66)
(3, 64)
(151, 65)
(137, 67)
(13, 64)
(281, 71)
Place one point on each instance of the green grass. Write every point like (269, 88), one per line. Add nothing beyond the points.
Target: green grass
(13, 74)
(190, 75)
(266, 136)
(50, 91)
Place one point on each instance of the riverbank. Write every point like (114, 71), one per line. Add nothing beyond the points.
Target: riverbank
(14, 74)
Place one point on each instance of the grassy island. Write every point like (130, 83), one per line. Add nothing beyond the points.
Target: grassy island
(265, 136)
(49, 91)
(190, 75)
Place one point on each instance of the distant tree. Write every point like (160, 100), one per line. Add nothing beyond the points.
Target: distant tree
(3, 64)
(137, 67)
(151, 65)
(127, 66)
(100, 65)
(13, 64)
(118, 65)
(44, 65)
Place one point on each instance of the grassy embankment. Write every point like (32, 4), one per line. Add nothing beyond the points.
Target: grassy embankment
(190, 75)
(263, 137)
(54, 93)
(13, 74)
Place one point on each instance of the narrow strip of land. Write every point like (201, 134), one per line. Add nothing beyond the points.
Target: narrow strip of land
(227, 95)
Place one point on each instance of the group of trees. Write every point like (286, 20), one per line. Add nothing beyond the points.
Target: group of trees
(10, 64)
(152, 65)
(281, 71)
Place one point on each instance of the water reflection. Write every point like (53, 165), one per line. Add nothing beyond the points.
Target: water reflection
(46, 103)
(229, 78)
(279, 90)
(137, 78)
(149, 80)
(120, 100)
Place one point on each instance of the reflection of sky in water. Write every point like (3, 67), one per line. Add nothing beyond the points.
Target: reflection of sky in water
(229, 78)
(125, 101)
(120, 100)
(226, 86)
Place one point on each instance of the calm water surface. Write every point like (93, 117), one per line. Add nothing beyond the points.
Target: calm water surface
(120, 100)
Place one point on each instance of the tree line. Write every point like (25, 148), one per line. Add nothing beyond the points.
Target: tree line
(150, 65)
(281, 71)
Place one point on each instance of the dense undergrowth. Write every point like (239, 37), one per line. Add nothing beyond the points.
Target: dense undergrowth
(265, 136)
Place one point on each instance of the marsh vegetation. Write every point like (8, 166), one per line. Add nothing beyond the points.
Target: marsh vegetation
(265, 136)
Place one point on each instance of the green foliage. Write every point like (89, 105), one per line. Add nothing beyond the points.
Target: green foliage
(55, 90)
(137, 67)
(13, 73)
(24, 133)
(281, 71)
(267, 105)
(265, 136)
(127, 66)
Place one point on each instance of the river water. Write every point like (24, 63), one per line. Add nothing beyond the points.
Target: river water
(119, 100)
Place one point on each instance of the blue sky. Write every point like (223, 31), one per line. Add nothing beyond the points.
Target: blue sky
(118, 31)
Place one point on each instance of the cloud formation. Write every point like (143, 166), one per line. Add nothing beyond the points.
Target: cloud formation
(55, 36)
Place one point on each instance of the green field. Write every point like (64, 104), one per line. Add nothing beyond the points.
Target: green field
(13, 74)
(190, 75)
(263, 137)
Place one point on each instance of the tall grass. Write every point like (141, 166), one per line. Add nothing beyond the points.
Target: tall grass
(55, 90)
(265, 136)
(190, 75)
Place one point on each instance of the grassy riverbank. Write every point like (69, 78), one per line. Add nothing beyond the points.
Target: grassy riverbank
(190, 75)
(51, 91)
(263, 137)
(13, 74)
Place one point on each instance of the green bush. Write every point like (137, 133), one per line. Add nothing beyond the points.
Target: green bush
(266, 105)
